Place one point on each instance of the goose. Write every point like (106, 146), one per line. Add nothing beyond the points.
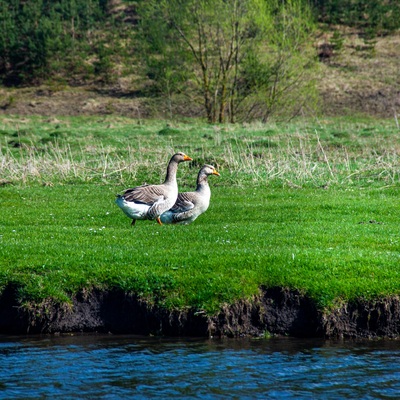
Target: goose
(189, 205)
(150, 201)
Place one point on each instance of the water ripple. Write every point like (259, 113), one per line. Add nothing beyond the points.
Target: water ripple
(113, 367)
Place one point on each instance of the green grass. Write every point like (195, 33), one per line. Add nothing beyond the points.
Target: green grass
(271, 220)
(55, 241)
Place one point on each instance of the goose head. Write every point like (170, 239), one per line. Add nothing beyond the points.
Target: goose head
(180, 157)
(209, 170)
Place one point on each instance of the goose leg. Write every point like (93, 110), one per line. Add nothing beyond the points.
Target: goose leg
(133, 222)
(159, 221)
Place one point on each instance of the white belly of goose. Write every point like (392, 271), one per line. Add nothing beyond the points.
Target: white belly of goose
(131, 209)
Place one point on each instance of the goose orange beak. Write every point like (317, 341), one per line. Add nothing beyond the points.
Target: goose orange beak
(187, 158)
(215, 172)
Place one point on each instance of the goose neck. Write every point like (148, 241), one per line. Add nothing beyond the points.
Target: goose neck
(171, 172)
(202, 181)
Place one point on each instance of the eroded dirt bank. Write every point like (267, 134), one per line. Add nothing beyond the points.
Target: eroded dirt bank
(276, 310)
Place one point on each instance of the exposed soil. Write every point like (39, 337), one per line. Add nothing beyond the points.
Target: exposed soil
(275, 311)
(336, 98)
(73, 102)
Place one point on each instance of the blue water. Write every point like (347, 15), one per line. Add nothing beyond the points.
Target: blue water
(129, 367)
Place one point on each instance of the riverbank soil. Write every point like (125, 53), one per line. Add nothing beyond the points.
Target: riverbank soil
(275, 311)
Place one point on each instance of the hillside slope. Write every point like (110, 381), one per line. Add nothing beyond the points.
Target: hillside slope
(357, 78)
(361, 78)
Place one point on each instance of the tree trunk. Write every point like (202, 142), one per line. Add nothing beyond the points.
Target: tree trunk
(222, 103)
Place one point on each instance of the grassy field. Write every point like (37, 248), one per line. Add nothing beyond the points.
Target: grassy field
(312, 205)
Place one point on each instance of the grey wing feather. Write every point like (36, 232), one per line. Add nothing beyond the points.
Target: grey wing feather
(146, 194)
(183, 203)
(157, 209)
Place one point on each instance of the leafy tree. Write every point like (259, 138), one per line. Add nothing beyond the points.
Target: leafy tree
(244, 58)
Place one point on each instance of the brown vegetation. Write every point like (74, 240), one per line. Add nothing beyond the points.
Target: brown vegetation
(360, 78)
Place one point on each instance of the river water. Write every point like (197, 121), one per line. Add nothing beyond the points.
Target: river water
(130, 367)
